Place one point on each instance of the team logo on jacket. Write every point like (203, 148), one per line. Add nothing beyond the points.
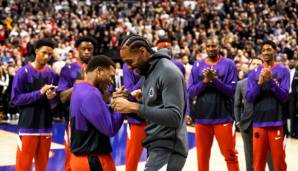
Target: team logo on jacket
(151, 92)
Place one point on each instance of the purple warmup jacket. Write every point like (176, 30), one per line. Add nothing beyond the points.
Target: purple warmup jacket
(268, 98)
(213, 101)
(35, 109)
(180, 66)
(92, 121)
(69, 74)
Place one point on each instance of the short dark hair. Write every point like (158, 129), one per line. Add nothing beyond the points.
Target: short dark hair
(269, 42)
(86, 39)
(135, 41)
(45, 42)
(99, 61)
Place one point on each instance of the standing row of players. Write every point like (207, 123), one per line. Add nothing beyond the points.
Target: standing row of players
(154, 98)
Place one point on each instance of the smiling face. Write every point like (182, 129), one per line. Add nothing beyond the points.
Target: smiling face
(104, 77)
(136, 59)
(267, 53)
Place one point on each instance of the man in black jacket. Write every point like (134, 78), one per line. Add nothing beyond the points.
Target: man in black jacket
(163, 104)
(293, 98)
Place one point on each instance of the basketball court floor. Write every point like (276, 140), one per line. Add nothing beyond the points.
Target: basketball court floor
(8, 144)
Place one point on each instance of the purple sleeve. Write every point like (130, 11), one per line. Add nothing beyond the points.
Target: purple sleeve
(96, 111)
(18, 95)
(229, 85)
(138, 85)
(195, 86)
(253, 89)
(64, 80)
(180, 66)
(129, 80)
(281, 91)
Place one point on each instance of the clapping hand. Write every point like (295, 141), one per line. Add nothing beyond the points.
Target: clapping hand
(209, 74)
(265, 75)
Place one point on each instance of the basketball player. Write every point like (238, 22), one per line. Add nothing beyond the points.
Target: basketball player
(92, 121)
(268, 88)
(69, 74)
(164, 104)
(213, 82)
(243, 112)
(34, 92)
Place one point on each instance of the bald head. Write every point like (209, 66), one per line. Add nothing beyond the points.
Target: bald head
(212, 40)
(212, 47)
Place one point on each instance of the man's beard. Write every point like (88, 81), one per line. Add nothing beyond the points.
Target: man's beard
(213, 56)
(143, 69)
(103, 87)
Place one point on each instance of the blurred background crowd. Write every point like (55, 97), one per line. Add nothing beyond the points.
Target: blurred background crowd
(241, 26)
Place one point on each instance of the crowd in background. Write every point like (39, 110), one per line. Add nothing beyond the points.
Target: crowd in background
(241, 26)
